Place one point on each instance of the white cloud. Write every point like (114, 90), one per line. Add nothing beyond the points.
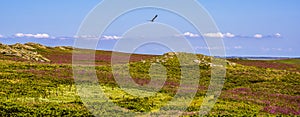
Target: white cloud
(258, 36)
(219, 35)
(214, 35)
(189, 34)
(1, 36)
(62, 38)
(105, 37)
(87, 36)
(274, 49)
(238, 47)
(19, 35)
(278, 49)
(229, 35)
(186, 34)
(209, 48)
(41, 36)
(278, 35)
(33, 35)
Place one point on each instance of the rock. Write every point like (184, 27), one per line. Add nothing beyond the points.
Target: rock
(171, 54)
(62, 48)
(144, 61)
(197, 61)
(65, 48)
(23, 51)
(36, 45)
(21, 46)
(231, 63)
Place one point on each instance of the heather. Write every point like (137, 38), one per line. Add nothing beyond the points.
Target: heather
(36, 88)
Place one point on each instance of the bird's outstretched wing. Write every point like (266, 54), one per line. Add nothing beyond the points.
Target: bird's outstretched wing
(154, 18)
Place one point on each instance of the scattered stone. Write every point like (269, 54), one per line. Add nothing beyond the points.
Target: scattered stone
(21, 46)
(231, 63)
(36, 45)
(64, 48)
(197, 61)
(171, 54)
(25, 51)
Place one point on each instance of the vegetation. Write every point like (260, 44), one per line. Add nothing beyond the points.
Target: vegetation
(285, 64)
(35, 88)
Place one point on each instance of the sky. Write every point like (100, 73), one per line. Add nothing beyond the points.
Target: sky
(248, 27)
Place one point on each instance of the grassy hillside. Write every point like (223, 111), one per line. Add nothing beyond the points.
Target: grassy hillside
(40, 88)
(289, 61)
(34, 52)
(286, 64)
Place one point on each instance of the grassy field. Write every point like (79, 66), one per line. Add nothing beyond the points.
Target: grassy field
(252, 88)
(289, 61)
(285, 64)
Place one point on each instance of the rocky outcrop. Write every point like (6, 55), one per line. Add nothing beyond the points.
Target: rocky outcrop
(35, 45)
(25, 51)
(202, 60)
(64, 48)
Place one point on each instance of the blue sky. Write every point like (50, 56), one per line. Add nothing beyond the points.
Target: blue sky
(248, 27)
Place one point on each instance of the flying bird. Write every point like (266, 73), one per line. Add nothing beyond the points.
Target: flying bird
(154, 18)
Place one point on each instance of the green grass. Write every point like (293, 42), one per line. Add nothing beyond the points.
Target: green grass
(48, 89)
(289, 61)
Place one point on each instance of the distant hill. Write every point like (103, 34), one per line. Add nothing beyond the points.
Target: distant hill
(261, 58)
(27, 51)
(60, 55)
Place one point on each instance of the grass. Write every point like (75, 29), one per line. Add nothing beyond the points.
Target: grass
(47, 89)
(286, 64)
(289, 61)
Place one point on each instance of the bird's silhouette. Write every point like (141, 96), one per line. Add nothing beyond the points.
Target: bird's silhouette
(154, 18)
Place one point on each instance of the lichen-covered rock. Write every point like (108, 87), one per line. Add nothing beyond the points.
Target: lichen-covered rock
(23, 51)
(21, 46)
(64, 48)
(197, 61)
(171, 54)
(231, 64)
(35, 45)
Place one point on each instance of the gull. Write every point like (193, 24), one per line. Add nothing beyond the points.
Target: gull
(154, 18)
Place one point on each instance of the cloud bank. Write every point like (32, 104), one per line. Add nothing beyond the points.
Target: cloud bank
(278, 35)
(105, 37)
(229, 35)
(189, 34)
(209, 35)
(219, 35)
(258, 36)
(39, 36)
(186, 34)
(214, 35)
